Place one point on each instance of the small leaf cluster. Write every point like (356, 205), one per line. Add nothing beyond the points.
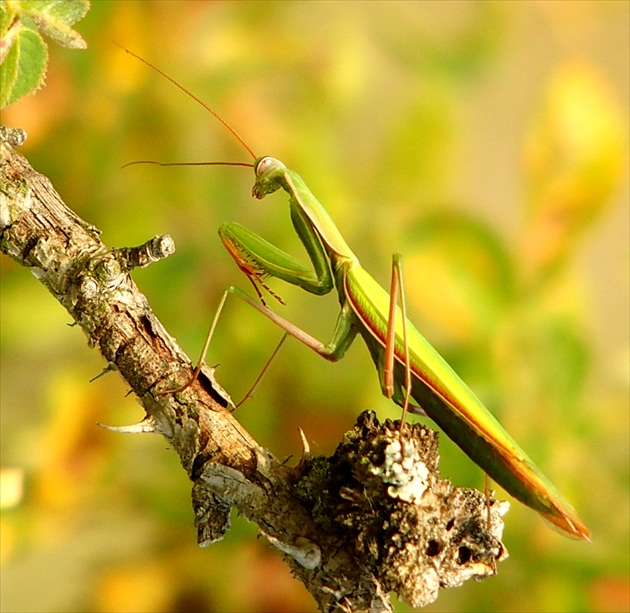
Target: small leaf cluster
(23, 52)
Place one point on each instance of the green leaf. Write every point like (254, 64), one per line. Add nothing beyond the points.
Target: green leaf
(564, 361)
(544, 358)
(7, 14)
(54, 18)
(9, 29)
(23, 53)
(462, 275)
(23, 68)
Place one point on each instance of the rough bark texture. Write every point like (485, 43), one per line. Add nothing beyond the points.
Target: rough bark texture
(372, 519)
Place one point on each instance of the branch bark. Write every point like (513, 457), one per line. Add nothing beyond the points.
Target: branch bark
(372, 519)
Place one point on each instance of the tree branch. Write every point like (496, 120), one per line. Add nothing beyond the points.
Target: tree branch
(354, 527)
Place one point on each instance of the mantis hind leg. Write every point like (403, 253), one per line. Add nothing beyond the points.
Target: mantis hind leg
(397, 290)
(343, 335)
(263, 372)
(201, 362)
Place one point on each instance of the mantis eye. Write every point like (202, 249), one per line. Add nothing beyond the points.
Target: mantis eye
(263, 165)
(267, 164)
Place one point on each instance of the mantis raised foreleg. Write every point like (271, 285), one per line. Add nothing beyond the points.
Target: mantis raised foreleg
(408, 365)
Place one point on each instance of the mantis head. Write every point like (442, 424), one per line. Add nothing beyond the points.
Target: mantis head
(269, 173)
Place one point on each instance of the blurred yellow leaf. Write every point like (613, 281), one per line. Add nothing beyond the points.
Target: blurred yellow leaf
(458, 275)
(574, 158)
(11, 487)
(73, 449)
(136, 587)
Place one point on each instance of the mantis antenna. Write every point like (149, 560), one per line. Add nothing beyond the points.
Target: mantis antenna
(236, 135)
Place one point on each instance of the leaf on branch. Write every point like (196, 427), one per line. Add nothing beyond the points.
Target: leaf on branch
(23, 52)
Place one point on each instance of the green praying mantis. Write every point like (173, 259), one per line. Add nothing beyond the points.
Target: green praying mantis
(411, 372)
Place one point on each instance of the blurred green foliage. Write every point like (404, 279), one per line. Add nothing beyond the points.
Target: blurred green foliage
(484, 141)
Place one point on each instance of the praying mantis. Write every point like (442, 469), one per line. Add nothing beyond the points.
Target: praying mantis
(411, 372)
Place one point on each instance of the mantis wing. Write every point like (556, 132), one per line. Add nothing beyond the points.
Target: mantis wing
(454, 407)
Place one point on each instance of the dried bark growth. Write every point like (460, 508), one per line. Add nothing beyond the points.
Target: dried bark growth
(352, 528)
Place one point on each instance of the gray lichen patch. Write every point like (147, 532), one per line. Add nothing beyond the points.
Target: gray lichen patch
(404, 470)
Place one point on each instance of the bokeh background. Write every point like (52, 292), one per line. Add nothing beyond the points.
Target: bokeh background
(486, 141)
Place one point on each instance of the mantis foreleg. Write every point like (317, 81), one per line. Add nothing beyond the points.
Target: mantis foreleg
(258, 258)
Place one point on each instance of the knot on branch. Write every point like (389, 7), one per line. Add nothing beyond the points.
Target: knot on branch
(372, 519)
(157, 248)
(15, 137)
(411, 530)
(304, 552)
